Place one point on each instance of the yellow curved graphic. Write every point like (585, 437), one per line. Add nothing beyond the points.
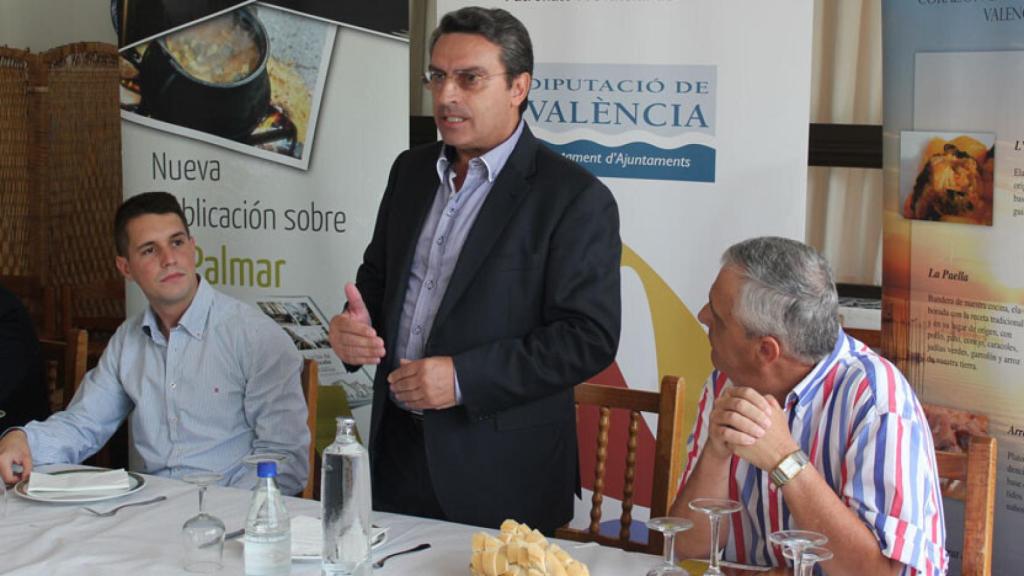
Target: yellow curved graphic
(680, 342)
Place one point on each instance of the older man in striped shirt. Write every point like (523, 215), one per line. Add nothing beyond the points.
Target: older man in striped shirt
(807, 427)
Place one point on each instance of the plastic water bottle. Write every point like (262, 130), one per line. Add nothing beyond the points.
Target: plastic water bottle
(268, 529)
(345, 498)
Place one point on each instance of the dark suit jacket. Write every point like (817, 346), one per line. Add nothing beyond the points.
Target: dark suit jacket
(23, 393)
(533, 308)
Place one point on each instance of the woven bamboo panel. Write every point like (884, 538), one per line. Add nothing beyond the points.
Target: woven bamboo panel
(82, 183)
(17, 217)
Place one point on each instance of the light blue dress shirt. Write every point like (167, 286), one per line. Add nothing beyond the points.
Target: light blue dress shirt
(444, 232)
(224, 385)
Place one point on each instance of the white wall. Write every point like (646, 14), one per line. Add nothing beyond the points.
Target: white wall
(43, 24)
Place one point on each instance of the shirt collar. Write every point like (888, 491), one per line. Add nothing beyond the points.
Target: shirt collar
(493, 161)
(192, 321)
(803, 393)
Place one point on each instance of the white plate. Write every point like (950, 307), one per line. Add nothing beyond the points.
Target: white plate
(135, 483)
(378, 536)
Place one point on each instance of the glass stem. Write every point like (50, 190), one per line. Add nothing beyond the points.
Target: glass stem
(713, 560)
(670, 548)
(806, 567)
(798, 559)
(202, 490)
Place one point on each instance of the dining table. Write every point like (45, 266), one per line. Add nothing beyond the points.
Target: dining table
(47, 538)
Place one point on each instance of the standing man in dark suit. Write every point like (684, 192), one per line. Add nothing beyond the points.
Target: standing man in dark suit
(489, 289)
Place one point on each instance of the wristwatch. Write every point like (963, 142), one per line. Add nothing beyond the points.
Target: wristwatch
(789, 467)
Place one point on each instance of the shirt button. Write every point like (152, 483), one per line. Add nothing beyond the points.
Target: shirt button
(440, 240)
(430, 284)
(417, 330)
(451, 211)
(174, 385)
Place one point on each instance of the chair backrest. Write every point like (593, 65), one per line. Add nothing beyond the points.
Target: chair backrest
(311, 388)
(39, 300)
(64, 364)
(97, 307)
(668, 456)
(972, 478)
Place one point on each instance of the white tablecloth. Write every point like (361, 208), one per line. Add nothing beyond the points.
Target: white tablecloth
(42, 539)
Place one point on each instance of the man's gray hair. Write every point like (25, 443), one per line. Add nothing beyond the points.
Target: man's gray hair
(788, 293)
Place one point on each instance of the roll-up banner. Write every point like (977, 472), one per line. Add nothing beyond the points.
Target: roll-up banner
(695, 114)
(953, 282)
(275, 125)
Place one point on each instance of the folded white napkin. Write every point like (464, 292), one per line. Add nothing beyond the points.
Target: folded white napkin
(79, 481)
(308, 536)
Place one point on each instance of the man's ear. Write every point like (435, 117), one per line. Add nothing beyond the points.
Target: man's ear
(520, 88)
(768, 349)
(122, 266)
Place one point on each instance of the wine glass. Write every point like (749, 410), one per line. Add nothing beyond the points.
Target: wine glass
(203, 534)
(669, 526)
(808, 558)
(715, 508)
(796, 541)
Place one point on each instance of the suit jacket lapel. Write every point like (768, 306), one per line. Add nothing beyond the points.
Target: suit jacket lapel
(509, 189)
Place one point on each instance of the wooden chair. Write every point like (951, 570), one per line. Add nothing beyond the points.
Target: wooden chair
(973, 480)
(64, 363)
(97, 307)
(668, 456)
(310, 388)
(39, 300)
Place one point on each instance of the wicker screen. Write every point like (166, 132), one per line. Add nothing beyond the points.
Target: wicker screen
(18, 219)
(82, 185)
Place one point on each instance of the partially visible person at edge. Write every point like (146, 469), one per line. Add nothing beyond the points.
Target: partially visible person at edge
(23, 394)
(204, 379)
(489, 289)
(807, 427)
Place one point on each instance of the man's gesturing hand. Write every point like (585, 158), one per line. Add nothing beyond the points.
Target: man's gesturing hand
(351, 333)
(424, 384)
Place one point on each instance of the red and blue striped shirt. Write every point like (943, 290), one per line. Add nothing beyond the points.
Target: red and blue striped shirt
(863, 428)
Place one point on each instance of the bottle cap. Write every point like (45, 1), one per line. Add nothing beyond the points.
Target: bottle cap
(266, 469)
(346, 425)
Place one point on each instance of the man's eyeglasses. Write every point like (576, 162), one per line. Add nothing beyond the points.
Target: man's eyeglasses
(467, 80)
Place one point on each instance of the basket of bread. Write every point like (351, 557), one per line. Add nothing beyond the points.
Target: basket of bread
(520, 551)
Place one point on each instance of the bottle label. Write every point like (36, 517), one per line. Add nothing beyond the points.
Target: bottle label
(268, 558)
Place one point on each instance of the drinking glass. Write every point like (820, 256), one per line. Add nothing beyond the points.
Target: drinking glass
(796, 541)
(669, 526)
(715, 508)
(203, 534)
(808, 558)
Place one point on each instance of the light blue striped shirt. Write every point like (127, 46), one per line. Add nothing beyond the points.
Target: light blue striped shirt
(444, 232)
(224, 385)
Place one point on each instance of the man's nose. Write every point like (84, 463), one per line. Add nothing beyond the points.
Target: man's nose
(704, 316)
(168, 258)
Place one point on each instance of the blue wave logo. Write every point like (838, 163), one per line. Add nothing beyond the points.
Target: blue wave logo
(639, 160)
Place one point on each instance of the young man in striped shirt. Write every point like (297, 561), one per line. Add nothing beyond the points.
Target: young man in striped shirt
(807, 427)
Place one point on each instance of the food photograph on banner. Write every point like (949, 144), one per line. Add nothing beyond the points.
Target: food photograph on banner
(139, 21)
(250, 80)
(947, 177)
(307, 326)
